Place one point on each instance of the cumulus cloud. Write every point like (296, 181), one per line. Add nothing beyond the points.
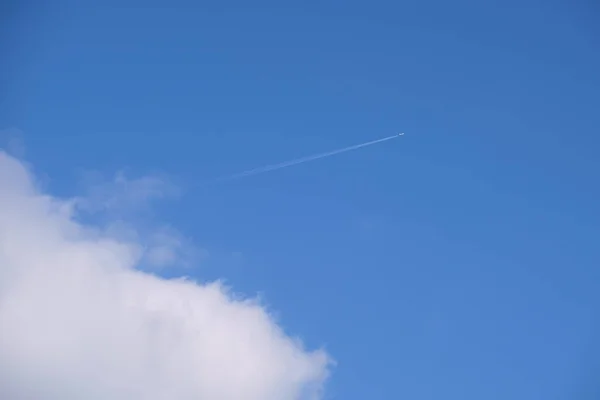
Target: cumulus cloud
(79, 320)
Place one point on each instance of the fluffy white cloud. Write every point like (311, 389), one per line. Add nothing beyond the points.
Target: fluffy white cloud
(79, 321)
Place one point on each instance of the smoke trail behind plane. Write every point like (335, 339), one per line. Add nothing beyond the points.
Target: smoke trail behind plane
(273, 167)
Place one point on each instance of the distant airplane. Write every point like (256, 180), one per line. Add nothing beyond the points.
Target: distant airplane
(297, 161)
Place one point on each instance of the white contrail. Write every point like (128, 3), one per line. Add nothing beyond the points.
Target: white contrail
(273, 167)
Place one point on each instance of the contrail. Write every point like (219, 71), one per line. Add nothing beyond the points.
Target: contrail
(273, 167)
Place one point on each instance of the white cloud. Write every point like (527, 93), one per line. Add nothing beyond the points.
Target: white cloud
(79, 321)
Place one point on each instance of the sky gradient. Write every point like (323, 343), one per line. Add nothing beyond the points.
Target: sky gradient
(459, 261)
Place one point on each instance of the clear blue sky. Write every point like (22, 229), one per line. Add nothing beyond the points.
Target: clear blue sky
(460, 261)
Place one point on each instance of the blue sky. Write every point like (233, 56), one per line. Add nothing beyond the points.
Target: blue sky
(458, 262)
